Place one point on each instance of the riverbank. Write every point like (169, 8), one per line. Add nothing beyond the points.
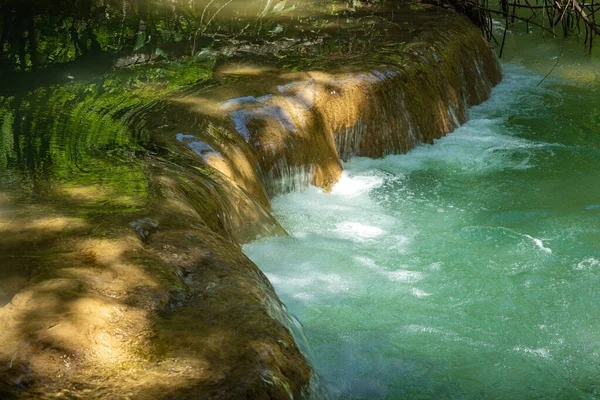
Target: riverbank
(131, 281)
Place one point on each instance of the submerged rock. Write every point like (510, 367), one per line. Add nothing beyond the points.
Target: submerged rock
(144, 227)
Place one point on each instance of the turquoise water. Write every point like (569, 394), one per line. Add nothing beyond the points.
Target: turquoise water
(467, 269)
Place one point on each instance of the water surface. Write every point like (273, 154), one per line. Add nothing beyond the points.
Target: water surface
(465, 269)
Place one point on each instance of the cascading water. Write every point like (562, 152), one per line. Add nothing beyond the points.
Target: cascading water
(464, 269)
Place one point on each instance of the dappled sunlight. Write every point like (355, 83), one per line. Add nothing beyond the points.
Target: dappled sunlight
(444, 118)
(104, 265)
(83, 302)
(63, 329)
(116, 309)
(96, 195)
(246, 70)
(587, 76)
(86, 193)
(54, 224)
(202, 105)
(29, 234)
(29, 228)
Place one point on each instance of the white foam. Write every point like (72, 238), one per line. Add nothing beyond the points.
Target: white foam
(423, 329)
(356, 230)
(479, 146)
(302, 281)
(305, 297)
(399, 275)
(404, 276)
(335, 283)
(274, 279)
(419, 293)
(540, 352)
(587, 264)
(366, 261)
(355, 185)
(539, 244)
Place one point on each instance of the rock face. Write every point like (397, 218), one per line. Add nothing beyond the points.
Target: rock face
(300, 130)
(165, 304)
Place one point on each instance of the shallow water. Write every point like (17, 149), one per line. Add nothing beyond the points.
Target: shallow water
(464, 269)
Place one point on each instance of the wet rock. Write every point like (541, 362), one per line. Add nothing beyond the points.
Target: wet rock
(133, 59)
(144, 227)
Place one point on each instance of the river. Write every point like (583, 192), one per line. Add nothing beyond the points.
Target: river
(465, 269)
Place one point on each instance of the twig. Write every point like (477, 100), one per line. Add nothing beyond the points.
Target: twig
(555, 64)
(504, 35)
(593, 26)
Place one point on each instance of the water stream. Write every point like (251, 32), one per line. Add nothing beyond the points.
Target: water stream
(465, 269)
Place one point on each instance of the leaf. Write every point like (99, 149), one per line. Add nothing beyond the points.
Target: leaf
(204, 54)
(277, 29)
(140, 41)
(161, 53)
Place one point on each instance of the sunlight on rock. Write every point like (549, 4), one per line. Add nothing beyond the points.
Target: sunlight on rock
(56, 224)
(88, 193)
(247, 69)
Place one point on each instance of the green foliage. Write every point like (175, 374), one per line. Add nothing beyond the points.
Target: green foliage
(6, 137)
(140, 41)
(38, 33)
